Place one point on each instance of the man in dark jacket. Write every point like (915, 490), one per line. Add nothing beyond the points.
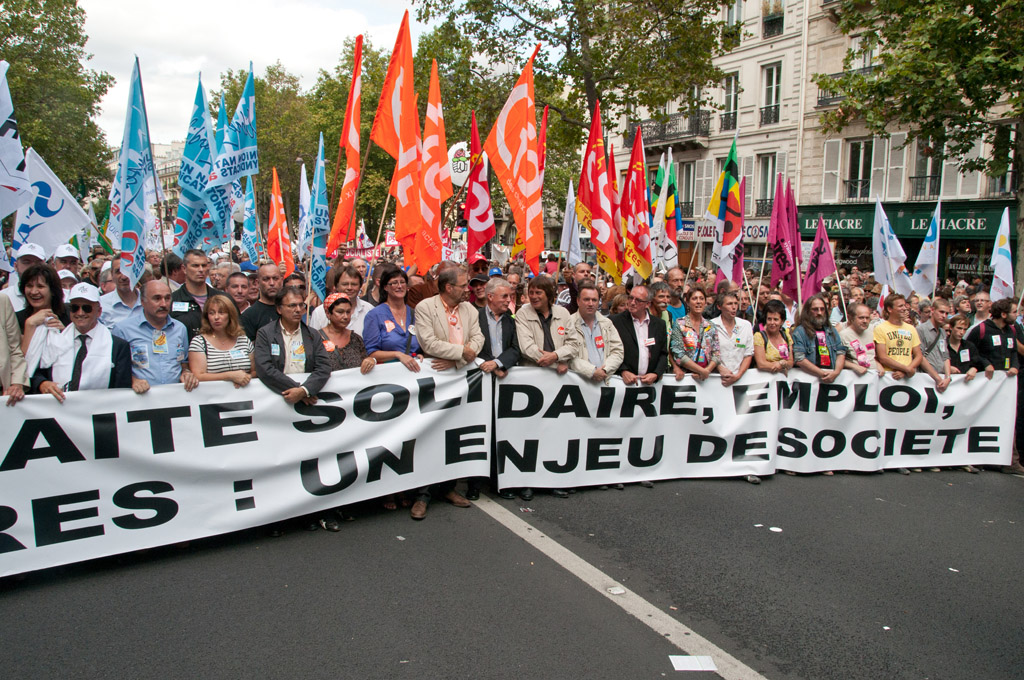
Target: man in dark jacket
(187, 302)
(644, 340)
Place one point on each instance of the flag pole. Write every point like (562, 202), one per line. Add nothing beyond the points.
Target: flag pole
(380, 228)
(337, 166)
(359, 185)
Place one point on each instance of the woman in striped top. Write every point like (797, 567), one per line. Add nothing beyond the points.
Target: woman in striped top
(221, 350)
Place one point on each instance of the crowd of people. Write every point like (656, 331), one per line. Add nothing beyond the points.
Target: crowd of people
(70, 325)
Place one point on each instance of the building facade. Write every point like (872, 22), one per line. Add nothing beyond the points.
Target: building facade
(770, 105)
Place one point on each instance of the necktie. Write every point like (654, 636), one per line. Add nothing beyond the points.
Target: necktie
(76, 372)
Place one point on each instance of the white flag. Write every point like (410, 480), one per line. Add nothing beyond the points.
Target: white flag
(658, 235)
(14, 181)
(571, 230)
(52, 216)
(926, 269)
(888, 257)
(1002, 261)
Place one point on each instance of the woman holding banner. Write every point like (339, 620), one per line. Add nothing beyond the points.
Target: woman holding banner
(388, 330)
(44, 303)
(694, 340)
(221, 350)
(773, 346)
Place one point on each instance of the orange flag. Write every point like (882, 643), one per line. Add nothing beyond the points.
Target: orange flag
(512, 150)
(279, 242)
(344, 227)
(436, 179)
(594, 199)
(636, 211)
(396, 129)
(618, 226)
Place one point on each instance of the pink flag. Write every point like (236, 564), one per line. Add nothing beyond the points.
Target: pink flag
(780, 239)
(821, 264)
(794, 224)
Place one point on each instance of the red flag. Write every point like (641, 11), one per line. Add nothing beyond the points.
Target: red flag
(512, 150)
(637, 212)
(618, 225)
(478, 214)
(821, 263)
(435, 177)
(344, 227)
(594, 199)
(279, 243)
(396, 129)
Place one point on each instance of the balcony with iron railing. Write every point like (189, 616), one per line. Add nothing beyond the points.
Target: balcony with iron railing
(685, 208)
(829, 97)
(925, 187)
(770, 114)
(677, 127)
(728, 120)
(1003, 187)
(763, 207)
(857, 190)
(772, 25)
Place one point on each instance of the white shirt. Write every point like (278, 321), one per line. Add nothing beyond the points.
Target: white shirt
(643, 355)
(735, 345)
(114, 308)
(17, 299)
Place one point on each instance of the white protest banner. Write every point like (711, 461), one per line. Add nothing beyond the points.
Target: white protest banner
(94, 477)
(564, 431)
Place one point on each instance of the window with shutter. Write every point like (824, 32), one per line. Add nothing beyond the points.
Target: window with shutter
(878, 159)
(831, 160)
(897, 166)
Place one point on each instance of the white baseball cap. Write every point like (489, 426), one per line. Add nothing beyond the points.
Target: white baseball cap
(84, 291)
(67, 274)
(33, 249)
(106, 266)
(67, 250)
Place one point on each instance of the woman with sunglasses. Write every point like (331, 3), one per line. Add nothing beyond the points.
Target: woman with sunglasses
(221, 350)
(388, 330)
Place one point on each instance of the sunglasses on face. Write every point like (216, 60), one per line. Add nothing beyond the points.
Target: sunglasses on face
(75, 308)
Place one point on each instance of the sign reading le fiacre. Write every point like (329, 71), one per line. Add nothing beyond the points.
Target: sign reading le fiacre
(94, 477)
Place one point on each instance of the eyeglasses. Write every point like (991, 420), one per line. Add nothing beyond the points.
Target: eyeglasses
(87, 309)
(642, 301)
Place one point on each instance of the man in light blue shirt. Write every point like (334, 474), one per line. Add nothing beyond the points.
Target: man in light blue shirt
(119, 303)
(159, 344)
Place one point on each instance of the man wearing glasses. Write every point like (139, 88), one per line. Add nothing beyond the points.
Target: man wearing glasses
(644, 341)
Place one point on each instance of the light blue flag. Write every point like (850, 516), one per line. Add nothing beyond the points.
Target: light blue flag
(135, 189)
(926, 268)
(305, 235)
(250, 237)
(201, 211)
(222, 123)
(320, 226)
(238, 156)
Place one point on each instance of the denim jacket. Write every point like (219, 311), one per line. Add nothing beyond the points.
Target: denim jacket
(806, 347)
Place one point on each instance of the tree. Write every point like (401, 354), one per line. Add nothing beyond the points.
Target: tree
(626, 53)
(285, 129)
(56, 98)
(949, 71)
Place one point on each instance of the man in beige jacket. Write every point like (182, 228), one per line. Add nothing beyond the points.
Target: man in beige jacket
(448, 331)
(12, 360)
(546, 337)
(600, 349)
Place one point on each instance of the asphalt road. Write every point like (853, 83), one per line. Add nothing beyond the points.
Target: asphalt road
(858, 584)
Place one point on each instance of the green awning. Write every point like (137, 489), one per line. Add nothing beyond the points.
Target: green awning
(960, 219)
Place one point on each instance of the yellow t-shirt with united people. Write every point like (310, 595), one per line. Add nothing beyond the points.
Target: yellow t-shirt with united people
(899, 341)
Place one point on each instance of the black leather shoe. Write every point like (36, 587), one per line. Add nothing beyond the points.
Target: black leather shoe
(507, 494)
(472, 494)
(559, 493)
(275, 532)
(526, 494)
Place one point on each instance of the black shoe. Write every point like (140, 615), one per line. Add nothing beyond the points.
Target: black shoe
(526, 494)
(275, 532)
(472, 494)
(559, 493)
(329, 524)
(507, 494)
(313, 525)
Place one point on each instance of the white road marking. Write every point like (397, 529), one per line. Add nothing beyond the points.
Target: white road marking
(729, 667)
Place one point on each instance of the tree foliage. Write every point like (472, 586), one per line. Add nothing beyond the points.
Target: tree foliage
(56, 98)
(949, 71)
(626, 53)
